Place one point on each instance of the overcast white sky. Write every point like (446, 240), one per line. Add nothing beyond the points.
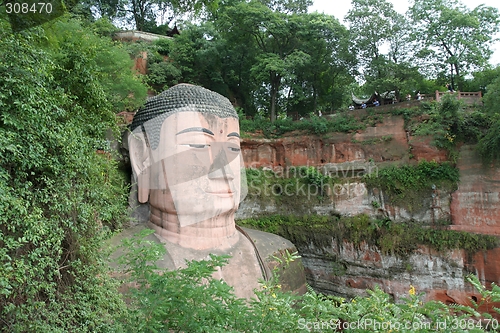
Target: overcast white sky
(339, 8)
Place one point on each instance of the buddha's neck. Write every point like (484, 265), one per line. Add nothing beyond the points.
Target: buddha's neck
(215, 233)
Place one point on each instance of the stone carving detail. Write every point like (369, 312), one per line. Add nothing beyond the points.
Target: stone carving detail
(185, 154)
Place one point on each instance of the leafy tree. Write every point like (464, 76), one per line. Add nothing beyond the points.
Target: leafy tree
(296, 60)
(374, 25)
(193, 56)
(370, 24)
(239, 54)
(386, 75)
(482, 79)
(288, 6)
(319, 80)
(268, 32)
(453, 38)
(144, 14)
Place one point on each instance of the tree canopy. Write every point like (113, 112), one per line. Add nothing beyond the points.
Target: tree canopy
(452, 37)
(273, 57)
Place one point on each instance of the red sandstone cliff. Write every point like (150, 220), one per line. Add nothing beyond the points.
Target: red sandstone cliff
(474, 207)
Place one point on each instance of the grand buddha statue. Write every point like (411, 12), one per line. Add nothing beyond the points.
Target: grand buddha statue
(185, 154)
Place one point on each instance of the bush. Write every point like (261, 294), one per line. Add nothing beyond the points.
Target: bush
(489, 144)
(60, 198)
(315, 125)
(406, 185)
(448, 125)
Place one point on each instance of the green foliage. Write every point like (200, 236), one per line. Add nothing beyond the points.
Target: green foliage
(492, 97)
(164, 46)
(144, 15)
(393, 71)
(103, 67)
(60, 198)
(104, 27)
(450, 123)
(273, 61)
(408, 177)
(315, 177)
(406, 184)
(444, 23)
(342, 122)
(399, 239)
(481, 80)
(191, 300)
(489, 144)
(444, 124)
(472, 127)
(192, 58)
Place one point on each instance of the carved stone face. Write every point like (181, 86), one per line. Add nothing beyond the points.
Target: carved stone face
(195, 171)
(185, 154)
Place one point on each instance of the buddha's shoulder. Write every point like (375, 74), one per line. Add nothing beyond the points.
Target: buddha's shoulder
(268, 244)
(273, 250)
(118, 251)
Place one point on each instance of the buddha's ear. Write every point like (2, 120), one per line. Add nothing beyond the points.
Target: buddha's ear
(140, 161)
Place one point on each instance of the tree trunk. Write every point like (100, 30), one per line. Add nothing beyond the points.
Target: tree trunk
(458, 80)
(315, 99)
(275, 85)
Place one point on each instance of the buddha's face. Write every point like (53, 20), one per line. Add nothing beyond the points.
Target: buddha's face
(195, 172)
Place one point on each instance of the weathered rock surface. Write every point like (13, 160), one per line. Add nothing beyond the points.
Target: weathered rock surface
(476, 204)
(345, 270)
(384, 142)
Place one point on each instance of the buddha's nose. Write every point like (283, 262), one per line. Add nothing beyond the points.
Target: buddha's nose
(219, 169)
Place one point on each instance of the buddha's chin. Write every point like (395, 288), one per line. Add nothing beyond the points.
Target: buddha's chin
(220, 214)
(216, 207)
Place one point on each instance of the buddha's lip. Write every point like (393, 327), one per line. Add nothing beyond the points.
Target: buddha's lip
(226, 193)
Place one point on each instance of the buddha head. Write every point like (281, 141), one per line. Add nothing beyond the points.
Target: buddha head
(185, 156)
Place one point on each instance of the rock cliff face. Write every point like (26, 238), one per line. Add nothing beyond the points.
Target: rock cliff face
(476, 204)
(386, 142)
(348, 157)
(345, 270)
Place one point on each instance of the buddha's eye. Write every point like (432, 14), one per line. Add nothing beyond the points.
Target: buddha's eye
(197, 145)
(234, 149)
